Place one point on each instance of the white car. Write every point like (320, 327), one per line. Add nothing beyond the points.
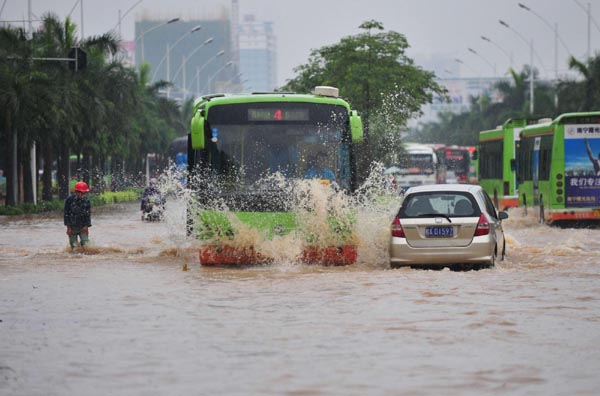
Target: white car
(447, 225)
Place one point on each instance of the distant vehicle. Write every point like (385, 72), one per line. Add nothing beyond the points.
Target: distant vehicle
(178, 152)
(447, 225)
(457, 162)
(154, 207)
(558, 169)
(497, 162)
(418, 167)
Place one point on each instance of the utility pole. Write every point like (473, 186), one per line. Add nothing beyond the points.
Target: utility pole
(531, 97)
(81, 8)
(589, 27)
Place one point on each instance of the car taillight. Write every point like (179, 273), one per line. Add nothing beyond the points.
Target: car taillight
(397, 230)
(483, 227)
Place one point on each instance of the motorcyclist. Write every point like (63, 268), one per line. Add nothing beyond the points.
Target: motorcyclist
(151, 192)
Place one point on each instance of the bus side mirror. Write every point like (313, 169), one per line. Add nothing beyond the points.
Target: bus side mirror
(197, 131)
(356, 127)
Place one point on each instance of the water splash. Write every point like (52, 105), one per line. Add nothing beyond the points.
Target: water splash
(320, 214)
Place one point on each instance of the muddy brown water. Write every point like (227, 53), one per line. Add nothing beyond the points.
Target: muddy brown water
(125, 318)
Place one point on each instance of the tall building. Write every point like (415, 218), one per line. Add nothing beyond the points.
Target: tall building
(195, 55)
(460, 92)
(258, 55)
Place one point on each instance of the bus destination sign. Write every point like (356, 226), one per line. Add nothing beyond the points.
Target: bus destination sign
(278, 114)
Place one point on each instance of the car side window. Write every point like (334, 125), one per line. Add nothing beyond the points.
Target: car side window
(489, 206)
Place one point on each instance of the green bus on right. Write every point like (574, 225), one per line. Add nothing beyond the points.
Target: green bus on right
(553, 167)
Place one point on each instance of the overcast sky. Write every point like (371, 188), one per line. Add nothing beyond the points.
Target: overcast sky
(434, 28)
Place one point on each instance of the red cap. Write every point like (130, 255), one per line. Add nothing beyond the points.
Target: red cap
(81, 187)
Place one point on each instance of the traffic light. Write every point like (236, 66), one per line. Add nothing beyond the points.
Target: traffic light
(79, 57)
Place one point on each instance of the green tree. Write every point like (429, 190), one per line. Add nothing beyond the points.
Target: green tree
(19, 81)
(586, 90)
(382, 82)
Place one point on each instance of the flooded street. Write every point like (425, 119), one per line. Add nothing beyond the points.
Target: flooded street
(127, 319)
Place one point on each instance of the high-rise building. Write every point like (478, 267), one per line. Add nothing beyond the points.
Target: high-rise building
(258, 55)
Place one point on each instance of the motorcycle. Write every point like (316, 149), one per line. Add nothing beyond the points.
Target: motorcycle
(153, 208)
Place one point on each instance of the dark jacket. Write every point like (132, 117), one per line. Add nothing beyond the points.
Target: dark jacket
(78, 212)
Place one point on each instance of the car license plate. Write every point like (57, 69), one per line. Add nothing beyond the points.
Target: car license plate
(439, 232)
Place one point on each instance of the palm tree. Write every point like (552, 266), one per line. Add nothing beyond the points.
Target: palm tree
(19, 81)
(587, 102)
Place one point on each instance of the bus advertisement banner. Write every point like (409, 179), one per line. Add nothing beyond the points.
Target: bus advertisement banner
(582, 165)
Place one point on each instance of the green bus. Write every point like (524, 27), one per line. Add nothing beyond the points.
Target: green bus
(558, 166)
(497, 162)
(245, 154)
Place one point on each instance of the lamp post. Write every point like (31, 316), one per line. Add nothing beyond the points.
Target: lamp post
(199, 69)
(211, 78)
(187, 58)
(460, 62)
(141, 36)
(168, 55)
(531, 76)
(485, 60)
(557, 37)
(121, 16)
(509, 56)
(590, 19)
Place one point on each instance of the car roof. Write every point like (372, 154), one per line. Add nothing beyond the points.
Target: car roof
(471, 188)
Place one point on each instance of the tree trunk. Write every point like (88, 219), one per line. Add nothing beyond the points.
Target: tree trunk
(63, 175)
(97, 174)
(47, 175)
(11, 153)
(27, 181)
(85, 167)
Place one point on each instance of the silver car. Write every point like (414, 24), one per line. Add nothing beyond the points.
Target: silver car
(447, 225)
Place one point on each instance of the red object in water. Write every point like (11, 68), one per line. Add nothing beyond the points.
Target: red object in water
(332, 255)
(229, 255)
(226, 255)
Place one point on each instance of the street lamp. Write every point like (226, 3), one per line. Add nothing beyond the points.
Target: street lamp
(509, 56)
(187, 58)
(199, 69)
(459, 61)
(486, 61)
(527, 42)
(168, 54)
(141, 36)
(211, 78)
(556, 37)
(590, 18)
(531, 76)
(121, 16)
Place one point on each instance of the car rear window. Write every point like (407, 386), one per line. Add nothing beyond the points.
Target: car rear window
(448, 203)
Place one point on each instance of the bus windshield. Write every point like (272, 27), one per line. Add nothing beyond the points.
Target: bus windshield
(299, 140)
(416, 164)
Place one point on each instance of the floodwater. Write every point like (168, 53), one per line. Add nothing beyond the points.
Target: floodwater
(137, 315)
